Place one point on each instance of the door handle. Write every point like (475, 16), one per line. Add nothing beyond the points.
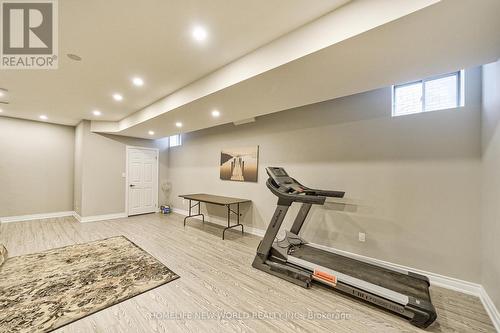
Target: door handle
(131, 185)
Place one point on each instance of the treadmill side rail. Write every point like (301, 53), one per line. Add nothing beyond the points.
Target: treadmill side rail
(290, 274)
(424, 312)
(369, 287)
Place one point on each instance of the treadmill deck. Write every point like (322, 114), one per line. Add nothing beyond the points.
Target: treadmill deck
(398, 282)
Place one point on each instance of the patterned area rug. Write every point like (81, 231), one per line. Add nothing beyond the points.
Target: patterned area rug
(43, 291)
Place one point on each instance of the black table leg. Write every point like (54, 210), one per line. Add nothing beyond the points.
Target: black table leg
(229, 226)
(199, 212)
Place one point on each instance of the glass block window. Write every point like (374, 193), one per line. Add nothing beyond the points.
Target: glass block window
(174, 140)
(431, 94)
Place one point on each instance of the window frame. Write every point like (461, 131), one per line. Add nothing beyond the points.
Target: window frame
(460, 75)
(179, 142)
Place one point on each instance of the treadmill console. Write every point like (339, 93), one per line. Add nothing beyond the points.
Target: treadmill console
(279, 175)
(283, 180)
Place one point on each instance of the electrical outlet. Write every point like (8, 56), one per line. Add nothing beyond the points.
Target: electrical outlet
(362, 237)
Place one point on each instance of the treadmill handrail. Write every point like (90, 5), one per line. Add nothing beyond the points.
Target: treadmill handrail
(312, 199)
(324, 193)
(328, 193)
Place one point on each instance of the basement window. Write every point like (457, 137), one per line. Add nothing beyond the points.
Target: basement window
(174, 140)
(431, 94)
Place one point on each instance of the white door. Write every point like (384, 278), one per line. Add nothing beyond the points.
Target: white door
(142, 180)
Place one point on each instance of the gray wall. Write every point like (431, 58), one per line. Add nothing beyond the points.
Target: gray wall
(491, 182)
(99, 184)
(36, 167)
(415, 179)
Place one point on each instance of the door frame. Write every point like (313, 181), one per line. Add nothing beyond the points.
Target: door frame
(127, 148)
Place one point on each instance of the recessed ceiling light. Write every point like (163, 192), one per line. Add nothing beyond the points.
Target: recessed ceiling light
(215, 113)
(3, 92)
(151, 132)
(138, 82)
(74, 57)
(117, 97)
(96, 113)
(178, 124)
(1, 110)
(199, 33)
(43, 117)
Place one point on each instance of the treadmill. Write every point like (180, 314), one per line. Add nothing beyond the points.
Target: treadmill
(399, 291)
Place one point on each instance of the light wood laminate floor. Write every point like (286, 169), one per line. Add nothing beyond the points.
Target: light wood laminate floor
(217, 279)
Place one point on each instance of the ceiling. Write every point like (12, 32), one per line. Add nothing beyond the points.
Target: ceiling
(376, 46)
(120, 39)
(260, 57)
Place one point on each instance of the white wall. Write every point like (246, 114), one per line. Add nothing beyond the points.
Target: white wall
(36, 167)
(99, 182)
(491, 182)
(47, 168)
(416, 178)
(77, 183)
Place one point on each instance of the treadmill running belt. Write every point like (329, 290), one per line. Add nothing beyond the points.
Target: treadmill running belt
(382, 277)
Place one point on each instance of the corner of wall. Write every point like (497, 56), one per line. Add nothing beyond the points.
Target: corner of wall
(490, 189)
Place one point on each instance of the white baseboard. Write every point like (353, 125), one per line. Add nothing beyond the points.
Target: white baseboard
(221, 222)
(490, 308)
(32, 217)
(62, 214)
(96, 218)
(466, 287)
